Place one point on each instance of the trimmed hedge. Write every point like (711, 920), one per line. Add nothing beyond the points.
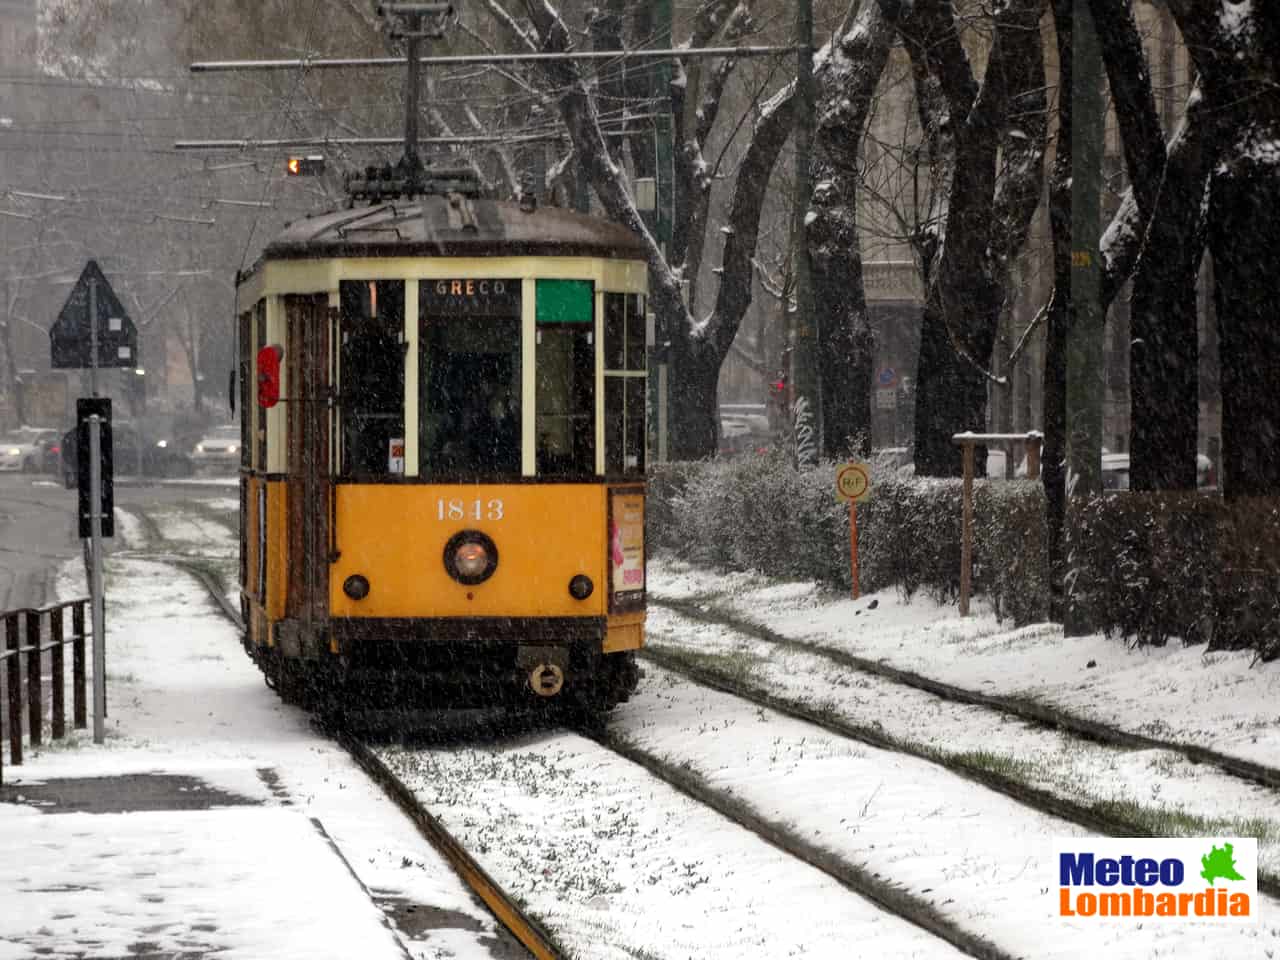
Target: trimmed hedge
(1156, 566)
(1148, 567)
(760, 513)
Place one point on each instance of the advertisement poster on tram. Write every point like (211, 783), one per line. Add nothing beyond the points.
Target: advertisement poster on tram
(626, 549)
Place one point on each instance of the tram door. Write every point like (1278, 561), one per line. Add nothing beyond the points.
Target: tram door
(309, 488)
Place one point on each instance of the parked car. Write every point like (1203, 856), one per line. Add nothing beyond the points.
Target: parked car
(29, 449)
(218, 450)
(153, 449)
(1115, 472)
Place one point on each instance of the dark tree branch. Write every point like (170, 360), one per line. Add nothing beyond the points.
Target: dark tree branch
(1135, 105)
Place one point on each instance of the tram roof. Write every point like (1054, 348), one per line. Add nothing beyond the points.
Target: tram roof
(453, 226)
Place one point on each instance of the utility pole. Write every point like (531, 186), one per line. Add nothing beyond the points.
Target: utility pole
(1086, 322)
(804, 360)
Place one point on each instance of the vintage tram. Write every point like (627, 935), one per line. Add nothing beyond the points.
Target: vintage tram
(442, 486)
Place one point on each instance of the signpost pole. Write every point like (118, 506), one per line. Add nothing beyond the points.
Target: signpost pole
(93, 336)
(853, 547)
(95, 586)
(966, 541)
(853, 483)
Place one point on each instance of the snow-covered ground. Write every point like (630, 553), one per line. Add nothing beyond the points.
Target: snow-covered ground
(253, 880)
(1174, 794)
(617, 863)
(1222, 700)
(985, 861)
(188, 532)
(620, 865)
(649, 867)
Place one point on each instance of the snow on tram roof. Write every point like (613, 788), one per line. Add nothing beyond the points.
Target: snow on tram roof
(454, 226)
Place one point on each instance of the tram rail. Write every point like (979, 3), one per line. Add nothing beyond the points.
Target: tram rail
(1041, 714)
(535, 938)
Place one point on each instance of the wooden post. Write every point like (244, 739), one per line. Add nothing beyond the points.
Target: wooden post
(35, 696)
(966, 541)
(15, 690)
(56, 669)
(853, 548)
(79, 707)
(1034, 440)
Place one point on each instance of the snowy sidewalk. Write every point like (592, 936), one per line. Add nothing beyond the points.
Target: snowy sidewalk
(214, 821)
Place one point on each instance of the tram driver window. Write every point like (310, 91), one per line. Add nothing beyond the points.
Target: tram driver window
(565, 424)
(469, 363)
(371, 371)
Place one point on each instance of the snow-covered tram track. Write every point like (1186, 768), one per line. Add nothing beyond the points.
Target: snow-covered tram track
(537, 935)
(540, 944)
(1032, 711)
(1114, 789)
(983, 861)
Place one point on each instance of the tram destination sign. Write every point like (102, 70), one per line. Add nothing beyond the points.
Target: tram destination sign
(92, 303)
(471, 296)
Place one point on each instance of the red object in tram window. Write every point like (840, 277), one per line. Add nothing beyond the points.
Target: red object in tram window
(269, 358)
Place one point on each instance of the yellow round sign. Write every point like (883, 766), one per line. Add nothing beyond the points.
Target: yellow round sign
(853, 481)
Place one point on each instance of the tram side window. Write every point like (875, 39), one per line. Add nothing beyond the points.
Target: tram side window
(244, 374)
(624, 332)
(565, 382)
(469, 363)
(260, 414)
(371, 375)
(624, 383)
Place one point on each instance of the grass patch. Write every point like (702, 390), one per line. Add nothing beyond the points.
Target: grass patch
(1163, 822)
(736, 667)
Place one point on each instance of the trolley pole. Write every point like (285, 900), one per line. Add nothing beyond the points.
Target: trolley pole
(95, 586)
(412, 43)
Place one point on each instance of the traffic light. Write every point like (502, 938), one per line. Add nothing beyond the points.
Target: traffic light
(305, 166)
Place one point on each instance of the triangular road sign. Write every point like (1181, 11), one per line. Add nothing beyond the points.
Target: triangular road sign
(70, 338)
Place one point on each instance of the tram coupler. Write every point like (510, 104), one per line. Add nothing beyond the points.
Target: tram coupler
(545, 666)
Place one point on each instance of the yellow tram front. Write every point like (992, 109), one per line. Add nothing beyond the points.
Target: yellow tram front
(446, 504)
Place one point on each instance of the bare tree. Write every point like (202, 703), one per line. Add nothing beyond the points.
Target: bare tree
(1215, 185)
(986, 146)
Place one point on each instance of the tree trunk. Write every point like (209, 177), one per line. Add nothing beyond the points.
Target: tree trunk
(1164, 371)
(846, 344)
(967, 125)
(951, 393)
(1244, 237)
(1054, 454)
(693, 411)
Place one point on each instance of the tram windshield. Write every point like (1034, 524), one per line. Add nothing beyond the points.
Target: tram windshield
(469, 368)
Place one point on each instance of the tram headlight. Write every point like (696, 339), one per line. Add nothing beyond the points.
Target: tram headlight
(470, 557)
(356, 587)
(580, 587)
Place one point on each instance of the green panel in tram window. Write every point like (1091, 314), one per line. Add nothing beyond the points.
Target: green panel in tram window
(565, 301)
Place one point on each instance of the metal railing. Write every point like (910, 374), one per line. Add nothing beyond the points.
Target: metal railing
(25, 641)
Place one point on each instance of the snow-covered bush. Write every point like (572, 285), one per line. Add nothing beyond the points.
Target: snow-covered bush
(1152, 567)
(761, 513)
